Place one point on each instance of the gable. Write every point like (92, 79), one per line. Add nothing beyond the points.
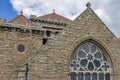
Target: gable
(52, 61)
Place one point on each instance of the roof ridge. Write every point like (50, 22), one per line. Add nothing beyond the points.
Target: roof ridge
(63, 16)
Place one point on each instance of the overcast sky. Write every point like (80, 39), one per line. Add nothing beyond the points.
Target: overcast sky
(107, 10)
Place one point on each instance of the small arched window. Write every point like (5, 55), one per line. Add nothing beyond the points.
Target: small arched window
(48, 33)
(89, 62)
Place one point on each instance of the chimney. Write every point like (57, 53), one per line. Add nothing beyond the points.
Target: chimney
(32, 16)
(2, 21)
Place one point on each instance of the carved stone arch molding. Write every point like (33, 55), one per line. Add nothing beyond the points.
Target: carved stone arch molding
(86, 61)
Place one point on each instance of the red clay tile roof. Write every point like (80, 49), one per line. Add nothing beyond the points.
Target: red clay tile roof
(54, 16)
(19, 19)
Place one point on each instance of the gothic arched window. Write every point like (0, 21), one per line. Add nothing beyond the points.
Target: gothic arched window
(89, 62)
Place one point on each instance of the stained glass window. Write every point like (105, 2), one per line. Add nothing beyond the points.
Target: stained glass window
(21, 48)
(80, 76)
(73, 76)
(89, 62)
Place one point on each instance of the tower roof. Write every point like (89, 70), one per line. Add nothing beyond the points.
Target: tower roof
(54, 16)
(21, 19)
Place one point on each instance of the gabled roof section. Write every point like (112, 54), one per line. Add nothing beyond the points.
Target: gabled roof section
(21, 19)
(54, 16)
(87, 26)
(91, 21)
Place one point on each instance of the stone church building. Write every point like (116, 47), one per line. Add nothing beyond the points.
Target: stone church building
(52, 47)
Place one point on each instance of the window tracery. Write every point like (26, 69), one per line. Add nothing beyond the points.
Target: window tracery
(89, 62)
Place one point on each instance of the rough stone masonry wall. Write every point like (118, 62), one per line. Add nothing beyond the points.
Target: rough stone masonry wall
(52, 62)
(10, 57)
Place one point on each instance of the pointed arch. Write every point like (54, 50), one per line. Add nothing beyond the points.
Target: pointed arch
(90, 61)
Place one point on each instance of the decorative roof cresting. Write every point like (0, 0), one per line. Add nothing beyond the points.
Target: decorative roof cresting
(21, 12)
(88, 4)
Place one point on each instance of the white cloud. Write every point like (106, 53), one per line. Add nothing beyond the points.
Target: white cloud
(68, 8)
(71, 9)
(103, 15)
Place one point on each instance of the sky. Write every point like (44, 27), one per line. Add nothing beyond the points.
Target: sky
(107, 10)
